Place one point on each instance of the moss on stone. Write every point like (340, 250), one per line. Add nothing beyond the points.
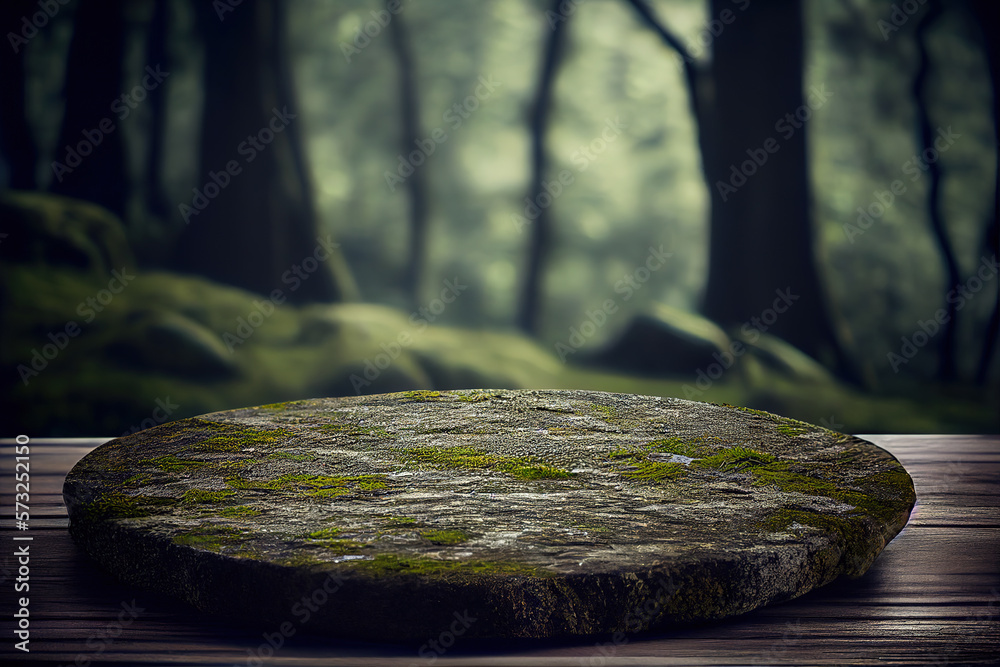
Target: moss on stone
(392, 564)
(317, 486)
(606, 411)
(237, 511)
(849, 529)
(210, 537)
(324, 533)
(287, 456)
(141, 479)
(476, 396)
(421, 395)
(467, 458)
(655, 471)
(444, 537)
(116, 505)
(171, 463)
(302, 559)
(778, 473)
(201, 496)
(355, 429)
(227, 438)
(341, 547)
(735, 458)
(792, 430)
(282, 406)
(673, 445)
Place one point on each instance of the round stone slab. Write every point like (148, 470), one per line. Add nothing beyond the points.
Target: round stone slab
(503, 513)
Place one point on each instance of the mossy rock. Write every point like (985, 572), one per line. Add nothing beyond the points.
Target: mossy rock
(663, 341)
(535, 513)
(45, 230)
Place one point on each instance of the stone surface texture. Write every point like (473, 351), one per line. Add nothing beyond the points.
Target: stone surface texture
(524, 513)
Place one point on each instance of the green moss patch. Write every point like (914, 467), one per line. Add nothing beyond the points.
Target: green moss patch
(317, 486)
(237, 511)
(391, 564)
(444, 537)
(121, 506)
(467, 458)
(735, 458)
(399, 522)
(171, 463)
(478, 396)
(200, 496)
(421, 395)
(288, 456)
(689, 448)
(228, 438)
(355, 429)
(211, 537)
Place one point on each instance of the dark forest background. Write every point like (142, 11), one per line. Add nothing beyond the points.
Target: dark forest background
(790, 205)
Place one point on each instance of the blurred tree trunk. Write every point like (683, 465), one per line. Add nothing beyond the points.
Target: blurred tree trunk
(89, 160)
(926, 134)
(762, 261)
(16, 139)
(541, 227)
(987, 13)
(255, 225)
(157, 55)
(416, 184)
(762, 242)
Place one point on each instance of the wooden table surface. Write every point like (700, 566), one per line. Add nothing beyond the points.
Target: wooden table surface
(932, 597)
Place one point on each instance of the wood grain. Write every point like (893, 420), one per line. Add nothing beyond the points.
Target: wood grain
(933, 596)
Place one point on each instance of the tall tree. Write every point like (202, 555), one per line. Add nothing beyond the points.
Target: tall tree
(157, 55)
(90, 154)
(750, 110)
(416, 184)
(255, 221)
(987, 13)
(926, 134)
(541, 226)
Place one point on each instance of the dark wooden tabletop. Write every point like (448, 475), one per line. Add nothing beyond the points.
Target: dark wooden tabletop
(932, 597)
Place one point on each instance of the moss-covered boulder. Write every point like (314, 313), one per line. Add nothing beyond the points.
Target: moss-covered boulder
(524, 513)
(663, 341)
